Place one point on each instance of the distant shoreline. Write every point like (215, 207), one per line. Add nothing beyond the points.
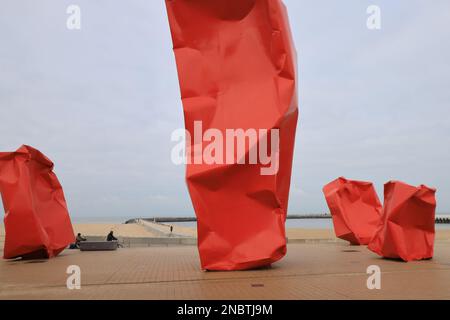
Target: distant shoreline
(441, 219)
(162, 219)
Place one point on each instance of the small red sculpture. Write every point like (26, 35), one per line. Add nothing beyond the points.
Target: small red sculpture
(407, 227)
(355, 208)
(37, 222)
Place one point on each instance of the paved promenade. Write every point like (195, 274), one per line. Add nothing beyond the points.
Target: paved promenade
(310, 271)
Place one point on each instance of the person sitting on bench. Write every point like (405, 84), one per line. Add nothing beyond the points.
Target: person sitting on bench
(111, 237)
(78, 239)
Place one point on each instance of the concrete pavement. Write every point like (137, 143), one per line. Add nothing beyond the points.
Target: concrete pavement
(309, 271)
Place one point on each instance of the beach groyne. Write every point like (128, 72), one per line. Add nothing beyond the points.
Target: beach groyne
(165, 230)
(443, 219)
(440, 219)
(194, 219)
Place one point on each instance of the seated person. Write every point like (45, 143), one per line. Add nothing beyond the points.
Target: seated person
(78, 239)
(111, 237)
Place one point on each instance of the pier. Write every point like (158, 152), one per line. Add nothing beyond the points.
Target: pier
(440, 219)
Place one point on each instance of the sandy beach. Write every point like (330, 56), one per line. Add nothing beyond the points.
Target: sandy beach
(149, 230)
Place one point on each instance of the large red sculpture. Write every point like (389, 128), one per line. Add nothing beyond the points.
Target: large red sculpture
(406, 230)
(37, 223)
(237, 71)
(355, 208)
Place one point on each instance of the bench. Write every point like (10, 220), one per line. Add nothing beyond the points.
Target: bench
(98, 245)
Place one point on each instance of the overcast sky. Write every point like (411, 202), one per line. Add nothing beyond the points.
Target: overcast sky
(102, 101)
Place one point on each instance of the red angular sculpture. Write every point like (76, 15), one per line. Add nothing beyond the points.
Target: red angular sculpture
(355, 208)
(237, 71)
(37, 223)
(406, 230)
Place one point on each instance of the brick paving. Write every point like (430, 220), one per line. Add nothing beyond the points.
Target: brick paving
(309, 271)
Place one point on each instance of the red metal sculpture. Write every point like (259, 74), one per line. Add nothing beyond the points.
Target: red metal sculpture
(355, 208)
(237, 71)
(407, 228)
(37, 222)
